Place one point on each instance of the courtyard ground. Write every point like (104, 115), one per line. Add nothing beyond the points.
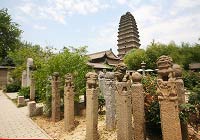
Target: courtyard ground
(15, 124)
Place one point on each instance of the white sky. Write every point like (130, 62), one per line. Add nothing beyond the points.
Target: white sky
(94, 23)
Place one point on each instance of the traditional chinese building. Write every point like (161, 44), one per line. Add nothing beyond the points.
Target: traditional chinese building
(128, 35)
(103, 60)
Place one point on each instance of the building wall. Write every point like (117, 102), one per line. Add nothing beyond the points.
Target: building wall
(3, 77)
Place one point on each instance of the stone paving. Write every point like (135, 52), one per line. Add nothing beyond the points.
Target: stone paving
(12, 95)
(14, 122)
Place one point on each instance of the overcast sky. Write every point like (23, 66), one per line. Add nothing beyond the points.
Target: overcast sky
(94, 23)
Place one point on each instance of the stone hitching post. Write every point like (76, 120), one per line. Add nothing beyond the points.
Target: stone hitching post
(55, 97)
(32, 89)
(181, 97)
(168, 100)
(123, 104)
(137, 93)
(101, 78)
(110, 101)
(28, 71)
(92, 106)
(69, 102)
(24, 81)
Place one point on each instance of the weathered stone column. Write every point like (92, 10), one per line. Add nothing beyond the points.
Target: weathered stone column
(181, 97)
(55, 97)
(24, 81)
(92, 106)
(124, 111)
(28, 71)
(32, 89)
(123, 104)
(137, 93)
(68, 103)
(168, 100)
(101, 78)
(110, 101)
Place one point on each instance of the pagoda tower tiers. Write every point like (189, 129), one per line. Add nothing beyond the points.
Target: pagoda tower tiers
(128, 35)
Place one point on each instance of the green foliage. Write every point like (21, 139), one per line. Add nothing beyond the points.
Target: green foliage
(14, 87)
(149, 84)
(25, 91)
(183, 55)
(153, 113)
(191, 79)
(64, 62)
(28, 50)
(101, 103)
(10, 34)
(134, 59)
(152, 109)
(185, 111)
(190, 111)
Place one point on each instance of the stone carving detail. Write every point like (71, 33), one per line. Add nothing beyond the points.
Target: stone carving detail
(92, 78)
(92, 90)
(123, 110)
(120, 73)
(168, 99)
(137, 93)
(69, 102)
(55, 97)
(110, 101)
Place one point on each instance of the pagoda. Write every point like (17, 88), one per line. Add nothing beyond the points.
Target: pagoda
(128, 35)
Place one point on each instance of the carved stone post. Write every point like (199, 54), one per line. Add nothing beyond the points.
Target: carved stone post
(181, 97)
(55, 97)
(138, 107)
(29, 64)
(168, 100)
(68, 103)
(92, 106)
(123, 104)
(24, 81)
(32, 89)
(110, 101)
(101, 78)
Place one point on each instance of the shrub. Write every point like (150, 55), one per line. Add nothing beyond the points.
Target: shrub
(12, 87)
(25, 91)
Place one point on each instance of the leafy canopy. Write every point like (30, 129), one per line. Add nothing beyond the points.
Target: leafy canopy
(9, 34)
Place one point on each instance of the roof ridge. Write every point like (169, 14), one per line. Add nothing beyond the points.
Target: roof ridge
(99, 52)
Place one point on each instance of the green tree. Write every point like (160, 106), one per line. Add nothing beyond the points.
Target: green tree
(9, 34)
(27, 50)
(64, 62)
(134, 59)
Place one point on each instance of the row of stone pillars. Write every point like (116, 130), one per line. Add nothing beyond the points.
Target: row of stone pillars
(125, 96)
(68, 100)
(122, 98)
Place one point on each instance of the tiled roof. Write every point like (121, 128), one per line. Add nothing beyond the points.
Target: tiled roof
(101, 54)
(99, 65)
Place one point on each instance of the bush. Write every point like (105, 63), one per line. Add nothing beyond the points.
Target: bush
(25, 91)
(191, 79)
(12, 87)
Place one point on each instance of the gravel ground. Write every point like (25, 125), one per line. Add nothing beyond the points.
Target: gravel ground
(56, 130)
